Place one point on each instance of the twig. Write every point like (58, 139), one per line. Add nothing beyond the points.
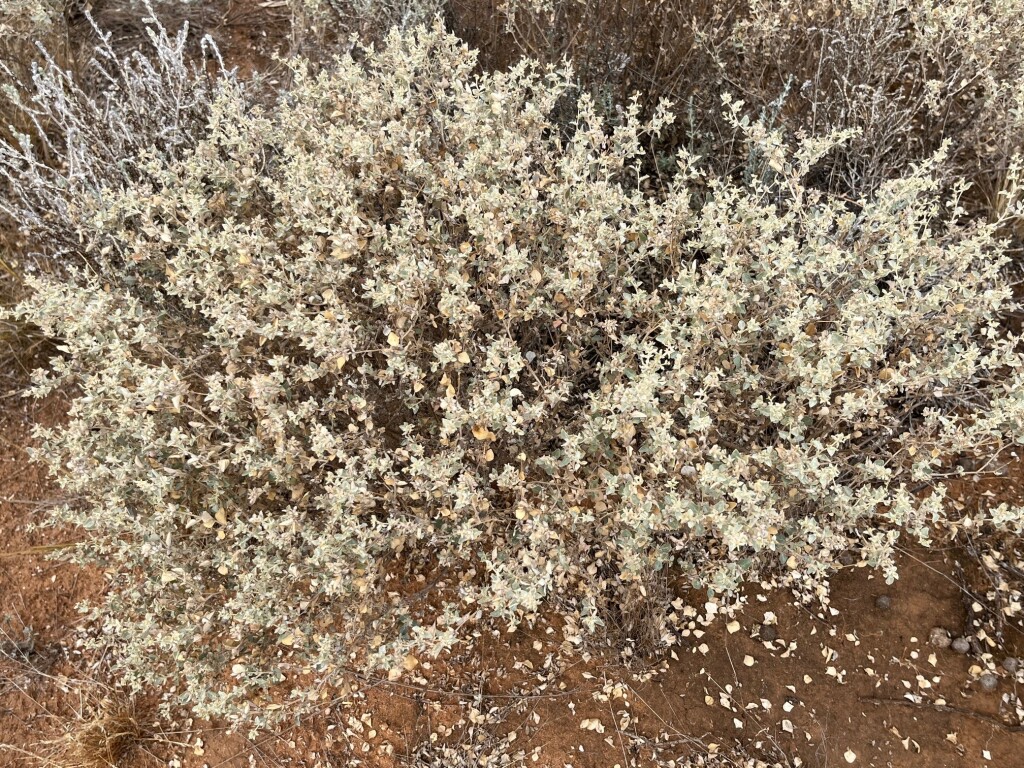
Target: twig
(948, 710)
(42, 549)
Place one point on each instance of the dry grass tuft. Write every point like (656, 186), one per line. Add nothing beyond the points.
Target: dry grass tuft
(108, 733)
(107, 739)
(93, 725)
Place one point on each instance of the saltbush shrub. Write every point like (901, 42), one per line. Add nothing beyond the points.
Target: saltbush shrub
(403, 355)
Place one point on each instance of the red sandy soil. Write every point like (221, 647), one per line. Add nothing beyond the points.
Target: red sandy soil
(775, 700)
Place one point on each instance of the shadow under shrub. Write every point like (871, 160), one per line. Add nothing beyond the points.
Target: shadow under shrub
(400, 326)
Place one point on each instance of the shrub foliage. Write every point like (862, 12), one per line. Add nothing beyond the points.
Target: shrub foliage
(403, 354)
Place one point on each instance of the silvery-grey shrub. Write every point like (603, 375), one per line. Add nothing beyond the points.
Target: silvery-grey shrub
(399, 356)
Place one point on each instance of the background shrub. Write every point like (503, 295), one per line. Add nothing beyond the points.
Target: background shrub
(906, 75)
(21, 23)
(81, 138)
(78, 107)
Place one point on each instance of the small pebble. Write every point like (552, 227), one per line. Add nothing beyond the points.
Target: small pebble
(883, 602)
(940, 638)
(1011, 664)
(988, 681)
(847, 558)
(768, 632)
(960, 645)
